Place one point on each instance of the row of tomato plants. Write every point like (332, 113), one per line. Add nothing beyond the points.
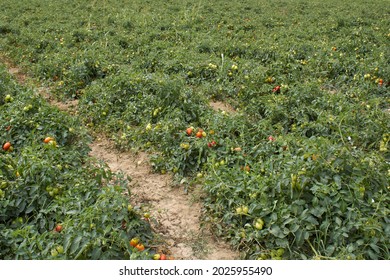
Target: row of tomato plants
(57, 202)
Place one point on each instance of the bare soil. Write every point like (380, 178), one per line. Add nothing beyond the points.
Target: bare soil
(221, 106)
(174, 214)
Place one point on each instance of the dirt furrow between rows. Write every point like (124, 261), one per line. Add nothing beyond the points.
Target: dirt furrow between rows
(175, 215)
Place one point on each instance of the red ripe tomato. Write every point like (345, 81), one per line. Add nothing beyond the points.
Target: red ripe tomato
(163, 257)
(276, 89)
(58, 228)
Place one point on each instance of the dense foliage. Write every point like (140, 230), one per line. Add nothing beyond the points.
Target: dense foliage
(55, 201)
(300, 168)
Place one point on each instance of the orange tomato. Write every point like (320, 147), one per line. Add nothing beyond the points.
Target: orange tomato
(140, 247)
(199, 134)
(48, 139)
(189, 131)
(6, 146)
(134, 242)
(163, 257)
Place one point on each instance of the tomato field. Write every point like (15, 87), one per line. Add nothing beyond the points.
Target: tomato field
(295, 165)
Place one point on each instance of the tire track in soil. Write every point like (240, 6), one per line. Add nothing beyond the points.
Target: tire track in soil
(175, 216)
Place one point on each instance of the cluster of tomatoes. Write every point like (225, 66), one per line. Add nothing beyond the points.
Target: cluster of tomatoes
(162, 257)
(136, 243)
(7, 146)
(200, 134)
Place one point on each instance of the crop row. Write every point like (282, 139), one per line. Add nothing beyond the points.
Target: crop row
(57, 202)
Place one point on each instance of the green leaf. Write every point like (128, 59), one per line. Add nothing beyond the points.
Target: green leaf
(96, 252)
(375, 248)
(329, 250)
(338, 221)
(282, 243)
(317, 211)
(75, 244)
(67, 240)
(337, 180)
(30, 208)
(84, 245)
(294, 227)
(276, 231)
(311, 220)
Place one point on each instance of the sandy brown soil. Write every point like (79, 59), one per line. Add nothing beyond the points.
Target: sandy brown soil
(221, 106)
(175, 216)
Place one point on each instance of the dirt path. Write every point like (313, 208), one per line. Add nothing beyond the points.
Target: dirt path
(175, 216)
